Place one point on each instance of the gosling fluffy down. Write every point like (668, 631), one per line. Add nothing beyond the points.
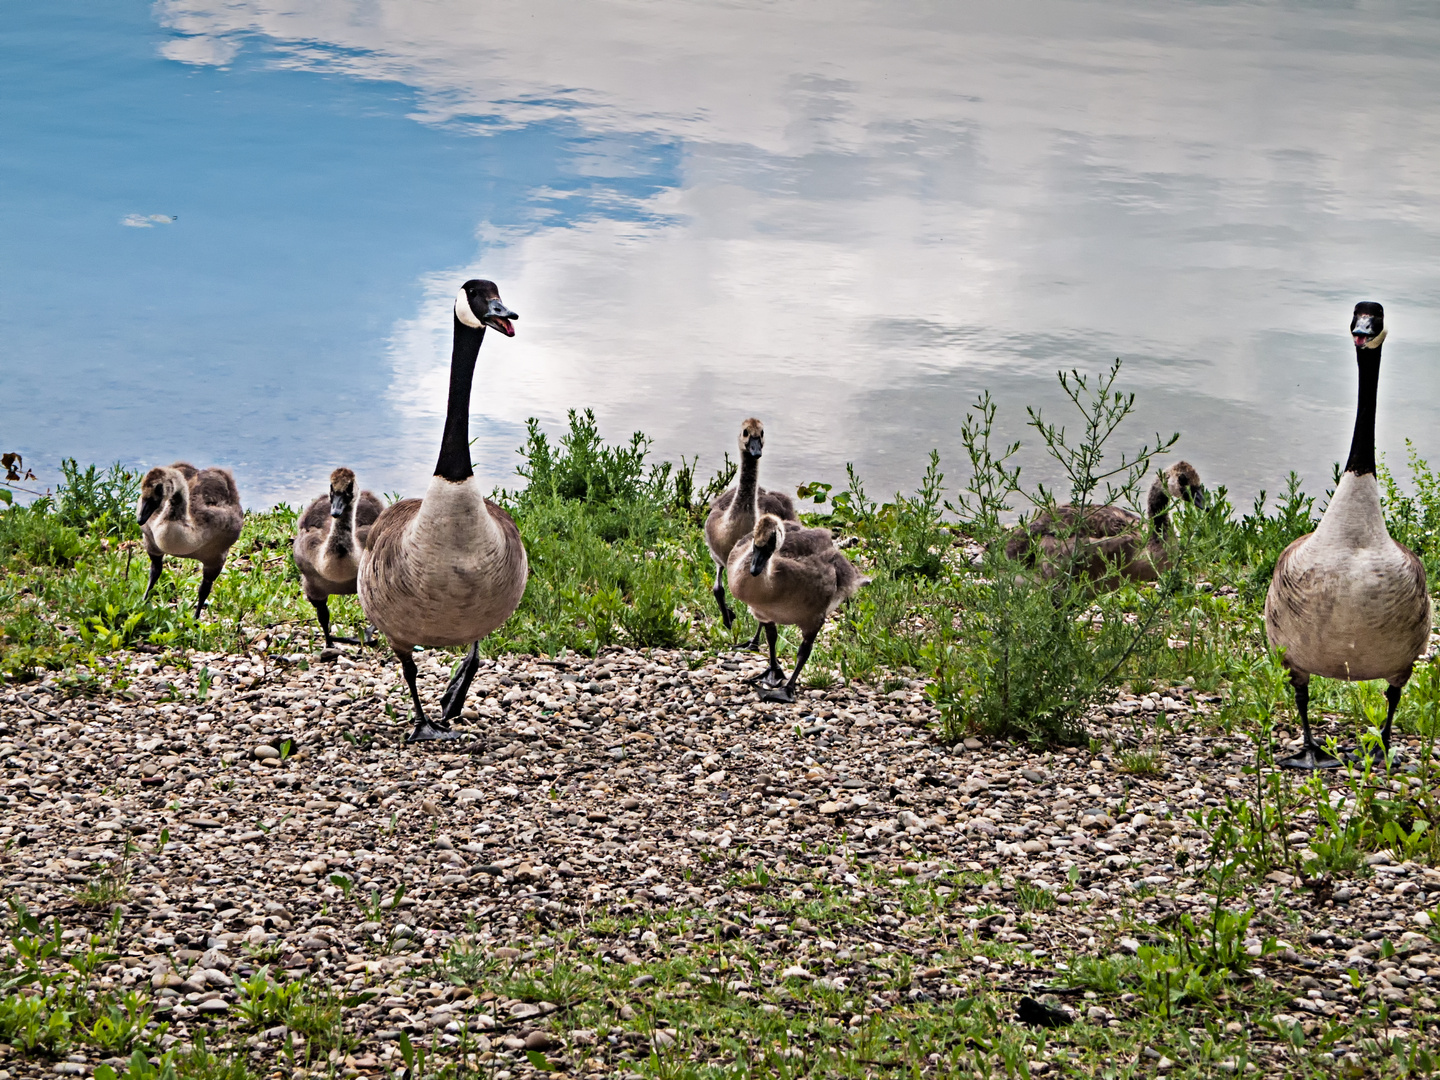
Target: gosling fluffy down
(189, 513)
(328, 542)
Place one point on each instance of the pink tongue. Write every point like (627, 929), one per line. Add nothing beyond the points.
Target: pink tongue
(1360, 339)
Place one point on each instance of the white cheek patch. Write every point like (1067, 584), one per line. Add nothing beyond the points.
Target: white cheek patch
(463, 312)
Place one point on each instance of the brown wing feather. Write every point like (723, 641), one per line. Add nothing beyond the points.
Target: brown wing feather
(779, 504)
(316, 516)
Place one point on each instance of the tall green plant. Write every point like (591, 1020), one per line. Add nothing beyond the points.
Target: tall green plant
(1031, 656)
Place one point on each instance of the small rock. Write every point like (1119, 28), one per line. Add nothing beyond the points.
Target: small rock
(795, 972)
(630, 803)
(469, 795)
(973, 743)
(522, 1010)
(541, 1040)
(214, 1005)
(265, 751)
(428, 806)
(642, 980)
(664, 1040)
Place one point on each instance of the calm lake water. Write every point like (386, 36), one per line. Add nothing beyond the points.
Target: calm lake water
(233, 228)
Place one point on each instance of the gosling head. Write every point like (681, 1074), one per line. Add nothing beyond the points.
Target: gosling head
(158, 487)
(752, 438)
(342, 492)
(478, 304)
(769, 534)
(1184, 483)
(1367, 325)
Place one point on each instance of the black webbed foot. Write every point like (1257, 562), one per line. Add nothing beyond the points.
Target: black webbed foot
(1311, 756)
(426, 731)
(782, 694)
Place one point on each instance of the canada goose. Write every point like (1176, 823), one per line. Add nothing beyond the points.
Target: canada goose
(328, 542)
(449, 568)
(1116, 542)
(1347, 601)
(192, 514)
(733, 513)
(794, 576)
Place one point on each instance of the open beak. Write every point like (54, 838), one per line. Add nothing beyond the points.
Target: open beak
(337, 505)
(1363, 330)
(148, 506)
(499, 317)
(754, 446)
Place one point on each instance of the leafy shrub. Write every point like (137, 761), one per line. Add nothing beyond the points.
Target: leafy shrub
(101, 504)
(35, 534)
(1029, 657)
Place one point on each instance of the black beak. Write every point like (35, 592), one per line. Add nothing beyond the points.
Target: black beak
(754, 446)
(1199, 497)
(338, 503)
(759, 557)
(148, 506)
(499, 317)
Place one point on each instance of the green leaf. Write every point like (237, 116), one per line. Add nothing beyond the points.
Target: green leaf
(537, 1059)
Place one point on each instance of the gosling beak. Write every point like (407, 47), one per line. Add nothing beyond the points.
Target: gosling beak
(148, 506)
(499, 317)
(337, 505)
(1199, 497)
(758, 558)
(754, 446)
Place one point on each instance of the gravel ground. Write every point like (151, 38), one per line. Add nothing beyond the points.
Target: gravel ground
(630, 782)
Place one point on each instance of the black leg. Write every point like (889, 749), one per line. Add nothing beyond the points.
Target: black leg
(157, 563)
(207, 579)
(322, 613)
(424, 731)
(774, 675)
(1311, 755)
(453, 700)
(786, 693)
(754, 643)
(726, 615)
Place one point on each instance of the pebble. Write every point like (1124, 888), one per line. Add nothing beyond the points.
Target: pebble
(533, 813)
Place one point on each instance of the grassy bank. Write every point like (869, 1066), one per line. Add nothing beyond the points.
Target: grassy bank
(618, 559)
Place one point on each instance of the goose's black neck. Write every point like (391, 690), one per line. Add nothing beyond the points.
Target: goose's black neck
(1362, 444)
(454, 462)
(749, 481)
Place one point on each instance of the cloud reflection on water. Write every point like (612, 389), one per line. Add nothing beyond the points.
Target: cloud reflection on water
(879, 211)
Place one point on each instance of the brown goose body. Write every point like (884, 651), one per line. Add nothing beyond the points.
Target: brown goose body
(189, 513)
(1347, 601)
(443, 570)
(1108, 541)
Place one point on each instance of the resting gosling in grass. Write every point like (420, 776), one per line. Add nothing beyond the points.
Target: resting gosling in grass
(192, 514)
(733, 513)
(792, 576)
(449, 568)
(328, 542)
(1110, 542)
(1347, 601)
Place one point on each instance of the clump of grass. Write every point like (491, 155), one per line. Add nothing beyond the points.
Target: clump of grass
(1139, 762)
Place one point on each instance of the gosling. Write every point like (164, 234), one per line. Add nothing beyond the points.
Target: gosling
(328, 541)
(189, 513)
(795, 577)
